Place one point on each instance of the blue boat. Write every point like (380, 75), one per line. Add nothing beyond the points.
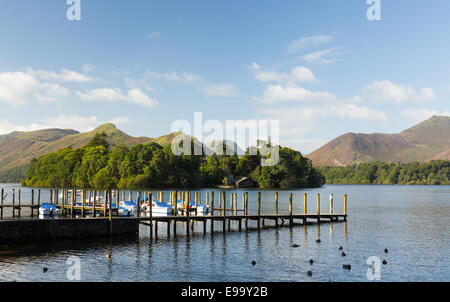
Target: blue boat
(48, 209)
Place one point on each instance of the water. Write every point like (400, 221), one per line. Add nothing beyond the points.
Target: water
(412, 222)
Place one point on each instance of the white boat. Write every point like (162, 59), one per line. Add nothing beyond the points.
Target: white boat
(159, 208)
(48, 210)
(202, 210)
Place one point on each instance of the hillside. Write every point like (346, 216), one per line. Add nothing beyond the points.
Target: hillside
(18, 148)
(426, 141)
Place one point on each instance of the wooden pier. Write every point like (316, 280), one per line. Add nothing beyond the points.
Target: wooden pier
(222, 211)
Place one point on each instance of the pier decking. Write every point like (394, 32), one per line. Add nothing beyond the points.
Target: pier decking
(94, 206)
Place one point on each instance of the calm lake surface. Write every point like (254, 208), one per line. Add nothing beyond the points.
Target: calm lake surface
(412, 222)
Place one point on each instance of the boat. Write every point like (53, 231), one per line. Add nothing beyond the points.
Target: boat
(202, 210)
(159, 208)
(48, 210)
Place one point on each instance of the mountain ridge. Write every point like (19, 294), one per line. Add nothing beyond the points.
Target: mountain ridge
(423, 142)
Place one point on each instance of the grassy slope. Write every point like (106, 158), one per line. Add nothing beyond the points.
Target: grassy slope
(422, 142)
(18, 148)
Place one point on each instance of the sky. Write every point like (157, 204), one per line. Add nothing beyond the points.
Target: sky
(321, 68)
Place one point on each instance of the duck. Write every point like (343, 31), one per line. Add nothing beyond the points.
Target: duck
(45, 270)
(311, 261)
(253, 262)
(343, 254)
(347, 266)
(386, 251)
(340, 248)
(295, 245)
(318, 240)
(384, 262)
(309, 273)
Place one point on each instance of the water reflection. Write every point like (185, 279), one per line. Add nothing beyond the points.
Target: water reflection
(413, 226)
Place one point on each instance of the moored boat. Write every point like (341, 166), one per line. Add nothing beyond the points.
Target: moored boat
(48, 210)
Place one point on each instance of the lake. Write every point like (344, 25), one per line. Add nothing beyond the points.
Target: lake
(412, 222)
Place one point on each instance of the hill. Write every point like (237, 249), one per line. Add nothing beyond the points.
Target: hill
(18, 148)
(426, 141)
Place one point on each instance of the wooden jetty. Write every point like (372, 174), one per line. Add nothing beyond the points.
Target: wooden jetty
(222, 211)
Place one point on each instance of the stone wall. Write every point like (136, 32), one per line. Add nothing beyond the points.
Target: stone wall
(34, 229)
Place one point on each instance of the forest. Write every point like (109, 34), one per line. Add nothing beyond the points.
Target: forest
(380, 173)
(99, 165)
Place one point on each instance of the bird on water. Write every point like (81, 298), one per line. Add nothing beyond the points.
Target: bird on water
(311, 261)
(253, 262)
(309, 273)
(45, 270)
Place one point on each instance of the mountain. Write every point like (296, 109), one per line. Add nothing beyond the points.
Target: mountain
(426, 141)
(18, 148)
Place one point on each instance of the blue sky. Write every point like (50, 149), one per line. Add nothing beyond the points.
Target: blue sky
(319, 67)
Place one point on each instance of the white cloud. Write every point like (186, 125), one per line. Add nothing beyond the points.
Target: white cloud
(120, 120)
(306, 42)
(306, 115)
(326, 56)
(386, 91)
(224, 90)
(297, 74)
(174, 76)
(153, 35)
(64, 76)
(18, 88)
(293, 92)
(419, 115)
(134, 96)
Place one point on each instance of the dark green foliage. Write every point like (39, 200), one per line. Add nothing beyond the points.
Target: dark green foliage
(13, 175)
(152, 166)
(379, 173)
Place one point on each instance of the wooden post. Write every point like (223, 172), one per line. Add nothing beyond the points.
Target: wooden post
(83, 205)
(345, 207)
(175, 210)
(39, 197)
(117, 201)
(57, 197)
(246, 210)
(276, 203)
(196, 202)
(305, 208)
(212, 212)
(32, 202)
(207, 198)
(94, 203)
(187, 215)
(2, 199)
(231, 210)
(150, 213)
(224, 202)
(19, 203)
(51, 195)
(74, 202)
(276, 209)
(14, 202)
(318, 208)
(138, 204)
(259, 210)
(105, 201)
(291, 221)
(110, 206)
(331, 203)
(305, 204)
